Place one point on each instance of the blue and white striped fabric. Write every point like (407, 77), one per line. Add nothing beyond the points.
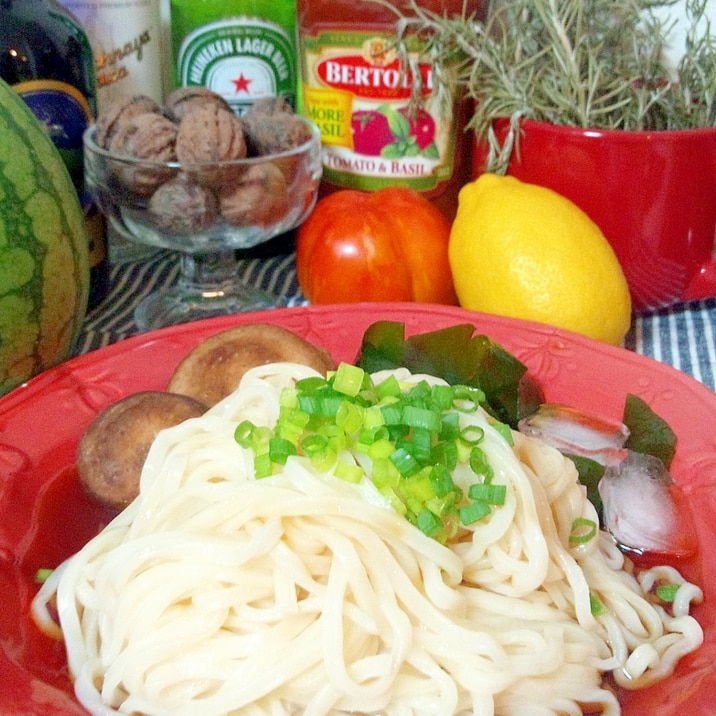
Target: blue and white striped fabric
(683, 335)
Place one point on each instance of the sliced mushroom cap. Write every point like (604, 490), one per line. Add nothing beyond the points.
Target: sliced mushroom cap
(214, 368)
(114, 446)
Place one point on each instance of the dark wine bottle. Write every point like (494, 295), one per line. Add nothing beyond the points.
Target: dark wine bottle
(46, 57)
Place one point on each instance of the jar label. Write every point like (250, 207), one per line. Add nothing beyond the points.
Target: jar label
(383, 117)
(242, 59)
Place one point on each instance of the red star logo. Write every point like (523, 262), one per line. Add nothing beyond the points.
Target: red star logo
(241, 83)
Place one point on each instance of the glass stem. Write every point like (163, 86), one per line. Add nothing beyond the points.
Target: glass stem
(209, 271)
(209, 284)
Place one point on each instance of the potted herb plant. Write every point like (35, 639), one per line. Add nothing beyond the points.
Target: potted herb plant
(579, 96)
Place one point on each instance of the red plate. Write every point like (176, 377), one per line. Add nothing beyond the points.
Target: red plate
(44, 517)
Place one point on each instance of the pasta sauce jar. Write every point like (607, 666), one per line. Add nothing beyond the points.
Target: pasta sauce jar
(387, 115)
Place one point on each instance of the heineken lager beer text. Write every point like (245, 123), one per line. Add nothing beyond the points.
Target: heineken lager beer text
(244, 50)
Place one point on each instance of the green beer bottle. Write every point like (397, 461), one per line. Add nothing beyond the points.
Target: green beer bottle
(242, 49)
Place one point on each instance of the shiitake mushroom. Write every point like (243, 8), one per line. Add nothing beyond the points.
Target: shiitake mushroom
(213, 369)
(114, 446)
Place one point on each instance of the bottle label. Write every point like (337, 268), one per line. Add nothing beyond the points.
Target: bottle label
(65, 113)
(241, 58)
(383, 116)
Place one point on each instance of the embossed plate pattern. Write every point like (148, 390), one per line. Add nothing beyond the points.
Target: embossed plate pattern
(44, 516)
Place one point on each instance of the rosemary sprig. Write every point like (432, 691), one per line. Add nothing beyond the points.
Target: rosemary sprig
(583, 63)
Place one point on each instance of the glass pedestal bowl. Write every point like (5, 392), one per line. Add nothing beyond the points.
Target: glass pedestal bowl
(205, 212)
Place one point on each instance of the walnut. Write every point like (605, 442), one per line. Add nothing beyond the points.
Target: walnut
(270, 134)
(119, 112)
(183, 99)
(269, 106)
(149, 137)
(259, 199)
(182, 207)
(207, 135)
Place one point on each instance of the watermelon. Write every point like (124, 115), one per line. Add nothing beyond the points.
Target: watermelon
(44, 264)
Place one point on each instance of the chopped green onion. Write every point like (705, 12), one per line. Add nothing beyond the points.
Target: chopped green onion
(349, 472)
(292, 423)
(385, 474)
(373, 418)
(472, 435)
(311, 384)
(418, 394)
(419, 444)
(583, 530)
(444, 453)
(349, 416)
(309, 403)
(444, 507)
(392, 414)
(428, 523)
(280, 449)
(262, 465)
(667, 592)
(425, 418)
(412, 437)
(488, 492)
(42, 574)
(479, 465)
(329, 403)
(469, 398)
(595, 605)
(420, 485)
(442, 396)
(243, 433)
(388, 387)
(369, 434)
(348, 379)
(337, 438)
(404, 462)
(450, 426)
(288, 398)
(504, 430)
(324, 460)
(313, 443)
(397, 432)
(294, 415)
(441, 480)
(381, 449)
(255, 437)
(262, 434)
(473, 511)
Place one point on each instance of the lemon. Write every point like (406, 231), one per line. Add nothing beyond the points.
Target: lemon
(525, 251)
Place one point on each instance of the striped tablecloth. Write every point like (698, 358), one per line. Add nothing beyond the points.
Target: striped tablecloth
(683, 335)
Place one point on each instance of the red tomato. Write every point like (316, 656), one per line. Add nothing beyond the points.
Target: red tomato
(422, 127)
(387, 245)
(370, 132)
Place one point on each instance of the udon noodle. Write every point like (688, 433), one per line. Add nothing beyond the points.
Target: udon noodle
(300, 593)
